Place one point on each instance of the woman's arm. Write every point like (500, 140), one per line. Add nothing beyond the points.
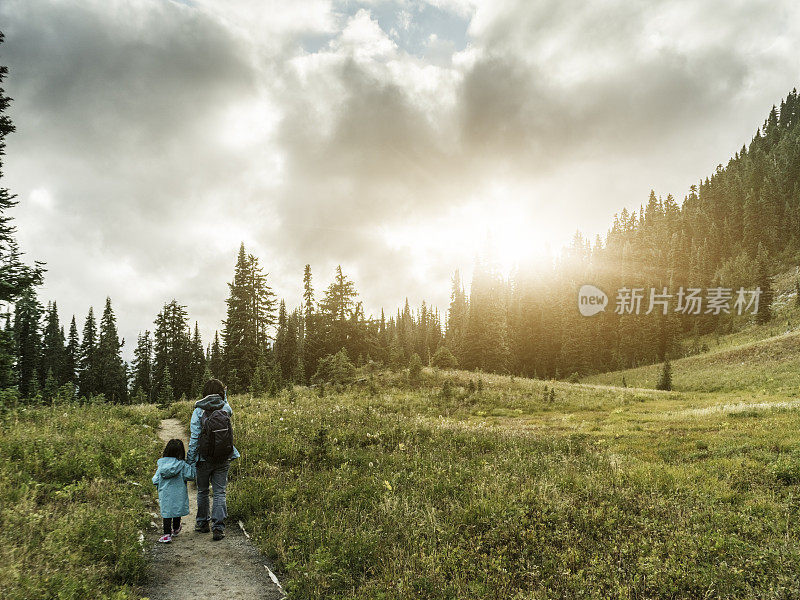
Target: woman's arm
(194, 435)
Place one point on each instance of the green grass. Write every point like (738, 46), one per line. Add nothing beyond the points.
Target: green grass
(771, 364)
(74, 497)
(444, 492)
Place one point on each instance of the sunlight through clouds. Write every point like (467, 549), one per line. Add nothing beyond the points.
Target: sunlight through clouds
(390, 136)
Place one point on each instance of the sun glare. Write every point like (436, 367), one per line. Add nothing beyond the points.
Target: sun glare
(502, 231)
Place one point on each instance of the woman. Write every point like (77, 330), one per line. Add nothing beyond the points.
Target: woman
(210, 473)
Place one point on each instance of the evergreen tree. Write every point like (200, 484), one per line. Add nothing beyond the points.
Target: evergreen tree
(313, 331)
(485, 339)
(111, 369)
(72, 354)
(337, 308)
(28, 342)
(198, 363)
(166, 395)
(143, 367)
(50, 387)
(457, 317)
(172, 349)
(15, 276)
(53, 360)
(8, 376)
(444, 359)
(251, 306)
(216, 360)
(764, 280)
(88, 368)
(797, 292)
(665, 378)
(287, 352)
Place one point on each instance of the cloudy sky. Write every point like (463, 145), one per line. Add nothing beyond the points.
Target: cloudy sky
(391, 137)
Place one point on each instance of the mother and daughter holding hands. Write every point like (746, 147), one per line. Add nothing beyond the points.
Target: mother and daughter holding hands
(208, 460)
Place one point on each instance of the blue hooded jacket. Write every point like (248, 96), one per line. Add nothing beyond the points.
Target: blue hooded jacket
(171, 477)
(210, 402)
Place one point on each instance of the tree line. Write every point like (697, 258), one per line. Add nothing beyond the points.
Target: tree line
(262, 347)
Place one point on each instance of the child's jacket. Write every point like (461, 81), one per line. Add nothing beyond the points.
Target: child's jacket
(171, 477)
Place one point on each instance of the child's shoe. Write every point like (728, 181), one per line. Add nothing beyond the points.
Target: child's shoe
(178, 530)
(165, 539)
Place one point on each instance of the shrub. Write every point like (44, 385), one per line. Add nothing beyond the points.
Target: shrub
(414, 368)
(443, 359)
(336, 369)
(786, 470)
(665, 379)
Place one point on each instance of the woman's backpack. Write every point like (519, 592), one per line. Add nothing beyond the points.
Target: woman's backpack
(215, 443)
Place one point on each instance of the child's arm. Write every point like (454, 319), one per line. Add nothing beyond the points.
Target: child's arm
(157, 477)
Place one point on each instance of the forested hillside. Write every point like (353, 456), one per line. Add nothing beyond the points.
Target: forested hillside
(735, 229)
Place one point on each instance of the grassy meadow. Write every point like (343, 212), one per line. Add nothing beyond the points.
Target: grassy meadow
(455, 485)
(468, 486)
(75, 495)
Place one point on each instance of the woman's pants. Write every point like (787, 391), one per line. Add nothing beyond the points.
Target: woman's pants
(216, 476)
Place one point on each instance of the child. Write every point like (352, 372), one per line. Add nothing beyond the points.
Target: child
(171, 476)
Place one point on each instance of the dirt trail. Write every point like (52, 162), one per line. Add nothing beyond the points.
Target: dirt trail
(193, 566)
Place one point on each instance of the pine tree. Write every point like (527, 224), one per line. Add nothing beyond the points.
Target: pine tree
(53, 360)
(337, 306)
(143, 367)
(166, 394)
(797, 292)
(172, 349)
(50, 387)
(312, 342)
(260, 382)
(665, 379)
(216, 360)
(198, 363)
(111, 369)
(72, 354)
(15, 277)
(28, 342)
(8, 376)
(485, 339)
(88, 369)
(290, 359)
(251, 306)
(457, 317)
(764, 280)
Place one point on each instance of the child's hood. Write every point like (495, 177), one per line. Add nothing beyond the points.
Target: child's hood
(170, 467)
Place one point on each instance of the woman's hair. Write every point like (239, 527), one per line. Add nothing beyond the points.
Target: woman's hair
(175, 449)
(213, 386)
